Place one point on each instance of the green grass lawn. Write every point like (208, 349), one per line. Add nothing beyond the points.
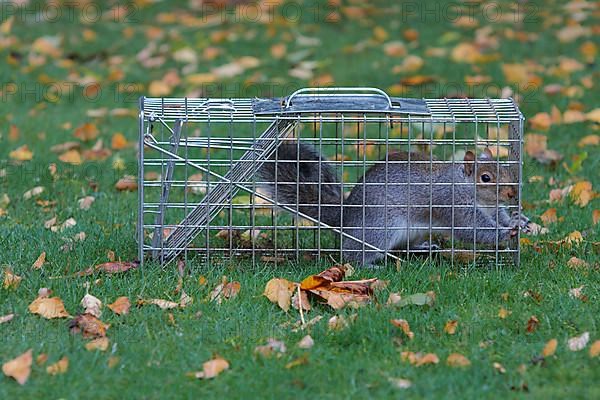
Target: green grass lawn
(150, 351)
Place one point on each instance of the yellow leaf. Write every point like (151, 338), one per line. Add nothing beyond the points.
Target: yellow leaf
(550, 348)
(280, 291)
(72, 157)
(11, 281)
(503, 313)
(86, 132)
(516, 73)
(549, 217)
(403, 324)
(21, 154)
(159, 89)
(582, 193)
(59, 367)
(48, 307)
(457, 360)
(450, 327)
(19, 368)
(120, 306)
(541, 121)
(595, 216)
(466, 53)
(100, 343)
(593, 115)
(589, 140)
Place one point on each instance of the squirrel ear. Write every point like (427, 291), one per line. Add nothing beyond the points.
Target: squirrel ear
(487, 154)
(469, 159)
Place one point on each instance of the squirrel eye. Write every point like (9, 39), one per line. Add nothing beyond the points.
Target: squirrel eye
(485, 178)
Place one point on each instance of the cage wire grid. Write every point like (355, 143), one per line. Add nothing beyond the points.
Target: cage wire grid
(200, 191)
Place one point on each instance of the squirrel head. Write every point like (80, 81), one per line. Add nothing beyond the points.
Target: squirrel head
(494, 182)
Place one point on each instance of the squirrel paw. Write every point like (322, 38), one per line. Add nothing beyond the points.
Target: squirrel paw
(519, 221)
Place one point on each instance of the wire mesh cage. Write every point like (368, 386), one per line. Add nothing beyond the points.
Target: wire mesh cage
(350, 174)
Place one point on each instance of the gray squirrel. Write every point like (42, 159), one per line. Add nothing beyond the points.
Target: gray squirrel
(465, 199)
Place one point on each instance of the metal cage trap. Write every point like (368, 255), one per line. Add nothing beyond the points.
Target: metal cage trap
(347, 173)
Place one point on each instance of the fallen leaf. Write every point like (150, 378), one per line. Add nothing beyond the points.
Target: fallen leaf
(127, 183)
(300, 298)
(118, 142)
(163, 304)
(450, 327)
(419, 359)
(72, 157)
(39, 262)
(19, 368)
(49, 307)
(550, 348)
(88, 325)
(113, 361)
(337, 323)
(185, 300)
(457, 360)
(593, 116)
(532, 324)
(536, 146)
(595, 349)
(212, 368)
(11, 280)
(577, 292)
(116, 267)
(400, 383)
(306, 342)
(403, 324)
(120, 306)
(44, 292)
(60, 367)
(549, 216)
(86, 202)
(302, 360)
(272, 347)
(6, 318)
(21, 154)
(92, 305)
(595, 216)
(36, 191)
(280, 291)
(503, 313)
(575, 263)
(541, 121)
(578, 343)
(582, 193)
(41, 359)
(100, 343)
(86, 132)
(225, 290)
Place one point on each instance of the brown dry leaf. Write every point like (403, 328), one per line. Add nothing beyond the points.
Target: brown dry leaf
(300, 299)
(72, 157)
(532, 324)
(549, 216)
(550, 348)
(595, 216)
(333, 274)
(11, 280)
(89, 326)
(86, 132)
(21, 154)
(113, 361)
(278, 50)
(403, 324)
(593, 116)
(41, 359)
(49, 307)
(419, 359)
(578, 343)
(578, 293)
(39, 262)
(6, 318)
(272, 347)
(225, 290)
(86, 202)
(280, 291)
(118, 141)
(575, 262)
(60, 367)
(582, 193)
(338, 300)
(163, 304)
(120, 306)
(457, 360)
(394, 49)
(185, 299)
(212, 368)
(127, 183)
(595, 349)
(100, 343)
(19, 368)
(116, 267)
(306, 342)
(450, 327)
(92, 305)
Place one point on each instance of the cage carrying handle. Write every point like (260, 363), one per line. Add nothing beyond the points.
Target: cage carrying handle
(315, 92)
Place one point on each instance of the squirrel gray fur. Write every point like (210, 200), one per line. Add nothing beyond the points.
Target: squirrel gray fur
(306, 181)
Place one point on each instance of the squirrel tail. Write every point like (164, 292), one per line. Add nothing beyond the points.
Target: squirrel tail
(298, 176)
